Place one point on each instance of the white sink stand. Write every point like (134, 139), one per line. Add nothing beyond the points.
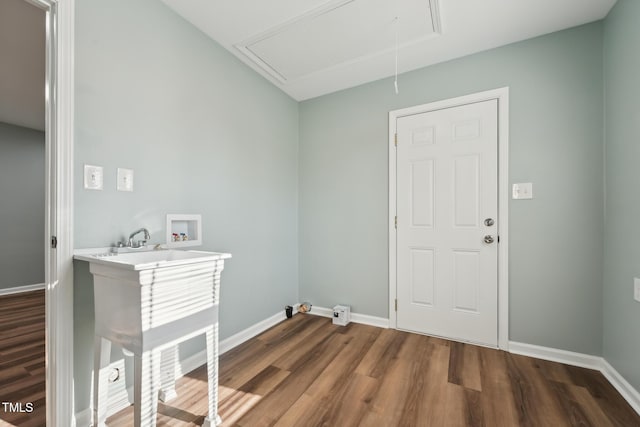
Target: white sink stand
(148, 312)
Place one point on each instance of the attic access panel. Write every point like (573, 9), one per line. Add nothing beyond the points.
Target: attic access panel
(340, 32)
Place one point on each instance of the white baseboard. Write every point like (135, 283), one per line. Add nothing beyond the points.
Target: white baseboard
(365, 319)
(183, 367)
(556, 355)
(83, 418)
(252, 331)
(628, 392)
(20, 289)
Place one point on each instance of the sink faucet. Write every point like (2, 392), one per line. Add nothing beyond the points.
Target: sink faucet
(139, 243)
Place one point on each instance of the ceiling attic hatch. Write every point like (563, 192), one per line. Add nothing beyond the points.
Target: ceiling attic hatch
(339, 33)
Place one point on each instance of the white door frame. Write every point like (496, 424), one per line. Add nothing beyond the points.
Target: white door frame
(59, 210)
(502, 95)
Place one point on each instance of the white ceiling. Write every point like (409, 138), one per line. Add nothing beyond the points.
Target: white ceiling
(313, 47)
(22, 63)
(308, 47)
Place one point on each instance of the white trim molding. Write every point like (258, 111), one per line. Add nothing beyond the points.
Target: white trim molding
(365, 319)
(502, 95)
(21, 289)
(59, 210)
(628, 392)
(83, 418)
(556, 355)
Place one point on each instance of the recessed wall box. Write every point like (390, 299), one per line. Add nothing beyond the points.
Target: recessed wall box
(184, 230)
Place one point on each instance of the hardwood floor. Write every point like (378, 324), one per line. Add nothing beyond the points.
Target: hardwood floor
(305, 371)
(22, 356)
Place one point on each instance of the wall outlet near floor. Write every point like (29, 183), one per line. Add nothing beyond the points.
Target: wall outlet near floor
(114, 375)
(636, 289)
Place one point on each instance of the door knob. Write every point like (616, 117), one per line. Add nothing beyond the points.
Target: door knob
(489, 222)
(488, 238)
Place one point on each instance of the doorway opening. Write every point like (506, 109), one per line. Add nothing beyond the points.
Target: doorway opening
(23, 146)
(57, 18)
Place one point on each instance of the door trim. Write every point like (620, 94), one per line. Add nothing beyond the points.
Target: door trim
(59, 210)
(502, 95)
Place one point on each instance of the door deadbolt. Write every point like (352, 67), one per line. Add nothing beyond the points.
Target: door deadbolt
(488, 238)
(489, 222)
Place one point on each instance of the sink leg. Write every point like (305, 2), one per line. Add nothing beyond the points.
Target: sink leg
(101, 359)
(212, 377)
(145, 388)
(168, 374)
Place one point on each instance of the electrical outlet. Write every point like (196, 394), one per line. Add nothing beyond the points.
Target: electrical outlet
(114, 375)
(636, 289)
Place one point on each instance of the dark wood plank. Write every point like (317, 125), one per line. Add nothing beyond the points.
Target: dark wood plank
(267, 349)
(464, 366)
(329, 389)
(380, 356)
(272, 406)
(533, 395)
(607, 397)
(496, 387)
(418, 383)
(579, 406)
(22, 355)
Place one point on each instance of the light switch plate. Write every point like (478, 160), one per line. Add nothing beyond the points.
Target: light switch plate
(93, 177)
(636, 289)
(522, 190)
(125, 179)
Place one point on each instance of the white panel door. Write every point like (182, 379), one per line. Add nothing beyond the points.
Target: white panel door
(447, 204)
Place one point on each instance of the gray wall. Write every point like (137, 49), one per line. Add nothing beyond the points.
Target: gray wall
(204, 134)
(22, 203)
(622, 229)
(556, 122)
(22, 74)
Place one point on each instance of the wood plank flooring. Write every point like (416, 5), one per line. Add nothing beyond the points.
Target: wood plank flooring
(22, 358)
(307, 372)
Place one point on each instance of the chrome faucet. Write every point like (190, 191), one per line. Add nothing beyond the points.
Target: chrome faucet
(139, 243)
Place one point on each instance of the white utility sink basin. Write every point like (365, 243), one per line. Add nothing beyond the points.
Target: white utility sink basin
(146, 260)
(147, 302)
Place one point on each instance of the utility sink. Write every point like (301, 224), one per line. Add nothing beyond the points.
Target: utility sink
(147, 302)
(152, 259)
